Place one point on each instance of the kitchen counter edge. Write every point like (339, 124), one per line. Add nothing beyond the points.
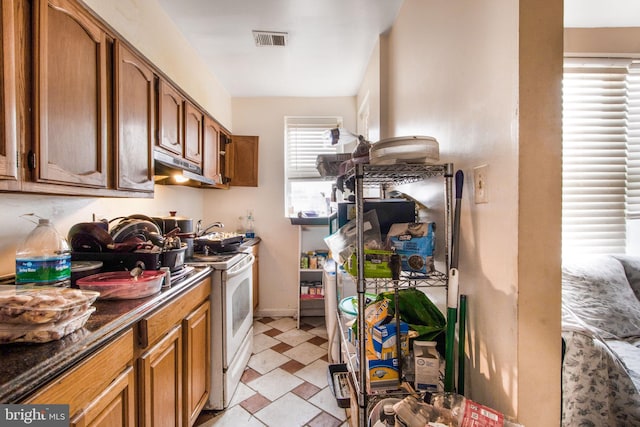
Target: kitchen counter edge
(14, 388)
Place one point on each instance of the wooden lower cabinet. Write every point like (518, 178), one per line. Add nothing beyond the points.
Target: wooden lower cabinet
(196, 329)
(160, 394)
(100, 391)
(113, 407)
(174, 367)
(154, 374)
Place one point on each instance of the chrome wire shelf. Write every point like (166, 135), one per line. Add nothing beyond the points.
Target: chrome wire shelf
(387, 175)
(435, 279)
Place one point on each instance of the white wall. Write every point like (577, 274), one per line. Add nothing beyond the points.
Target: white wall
(147, 27)
(66, 211)
(479, 78)
(279, 258)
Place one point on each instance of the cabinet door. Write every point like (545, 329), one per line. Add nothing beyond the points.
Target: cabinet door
(193, 120)
(93, 382)
(160, 397)
(114, 407)
(8, 141)
(210, 150)
(244, 161)
(197, 362)
(134, 115)
(170, 104)
(70, 65)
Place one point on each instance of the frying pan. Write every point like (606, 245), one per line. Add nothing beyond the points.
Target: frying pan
(129, 228)
(90, 237)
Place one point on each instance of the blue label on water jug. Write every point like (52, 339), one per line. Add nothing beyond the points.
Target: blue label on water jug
(43, 270)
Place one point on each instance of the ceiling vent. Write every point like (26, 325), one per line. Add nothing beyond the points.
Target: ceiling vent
(270, 38)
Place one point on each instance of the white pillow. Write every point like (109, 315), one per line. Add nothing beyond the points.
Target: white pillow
(597, 291)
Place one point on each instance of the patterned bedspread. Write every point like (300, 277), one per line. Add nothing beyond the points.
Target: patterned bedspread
(601, 331)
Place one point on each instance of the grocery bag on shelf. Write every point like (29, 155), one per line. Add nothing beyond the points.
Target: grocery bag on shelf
(418, 311)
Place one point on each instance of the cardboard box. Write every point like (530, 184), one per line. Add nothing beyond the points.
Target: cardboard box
(427, 366)
(383, 374)
(384, 340)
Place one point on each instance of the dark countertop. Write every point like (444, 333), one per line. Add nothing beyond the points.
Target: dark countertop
(26, 367)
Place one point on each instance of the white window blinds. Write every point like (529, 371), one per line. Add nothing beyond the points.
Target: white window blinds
(633, 141)
(599, 155)
(304, 142)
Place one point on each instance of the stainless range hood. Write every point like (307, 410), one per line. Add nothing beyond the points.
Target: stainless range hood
(174, 170)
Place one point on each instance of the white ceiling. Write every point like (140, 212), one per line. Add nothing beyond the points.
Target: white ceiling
(330, 41)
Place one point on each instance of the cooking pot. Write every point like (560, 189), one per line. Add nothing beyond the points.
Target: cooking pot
(168, 223)
(173, 258)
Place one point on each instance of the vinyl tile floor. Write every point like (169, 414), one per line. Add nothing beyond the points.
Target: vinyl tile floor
(285, 382)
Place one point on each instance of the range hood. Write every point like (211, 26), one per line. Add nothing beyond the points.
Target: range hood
(169, 169)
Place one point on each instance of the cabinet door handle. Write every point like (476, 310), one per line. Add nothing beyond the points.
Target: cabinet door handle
(31, 160)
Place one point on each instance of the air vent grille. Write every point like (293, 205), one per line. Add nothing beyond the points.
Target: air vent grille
(270, 38)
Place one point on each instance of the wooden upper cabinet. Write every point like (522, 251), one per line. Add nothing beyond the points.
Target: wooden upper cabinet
(70, 71)
(210, 150)
(242, 158)
(134, 116)
(170, 104)
(8, 136)
(193, 133)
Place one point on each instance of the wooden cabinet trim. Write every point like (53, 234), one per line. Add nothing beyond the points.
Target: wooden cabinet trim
(47, 170)
(120, 392)
(131, 153)
(9, 143)
(154, 326)
(197, 361)
(150, 378)
(171, 141)
(79, 386)
(193, 133)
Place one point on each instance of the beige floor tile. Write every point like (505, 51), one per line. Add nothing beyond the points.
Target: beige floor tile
(326, 401)
(315, 373)
(266, 361)
(289, 410)
(259, 327)
(305, 353)
(320, 331)
(242, 392)
(294, 337)
(262, 342)
(275, 384)
(234, 417)
(284, 324)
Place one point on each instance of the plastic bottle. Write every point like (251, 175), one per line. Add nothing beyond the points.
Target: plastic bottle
(44, 257)
(389, 415)
(250, 229)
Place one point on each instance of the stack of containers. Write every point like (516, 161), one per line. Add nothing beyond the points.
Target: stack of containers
(42, 314)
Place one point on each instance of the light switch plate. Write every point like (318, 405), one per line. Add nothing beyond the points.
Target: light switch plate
(480, 184)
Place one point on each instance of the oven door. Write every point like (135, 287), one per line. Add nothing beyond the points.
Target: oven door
(238, 306)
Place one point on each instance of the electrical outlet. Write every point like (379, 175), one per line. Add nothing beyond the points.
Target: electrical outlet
(480, 190)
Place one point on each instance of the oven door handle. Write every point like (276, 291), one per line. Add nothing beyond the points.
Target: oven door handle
(232, 272)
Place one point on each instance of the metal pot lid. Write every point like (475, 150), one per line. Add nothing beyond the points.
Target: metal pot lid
(78, 266)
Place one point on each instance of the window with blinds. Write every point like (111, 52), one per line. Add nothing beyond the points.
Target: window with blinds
(601, 154)
(306, 190)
